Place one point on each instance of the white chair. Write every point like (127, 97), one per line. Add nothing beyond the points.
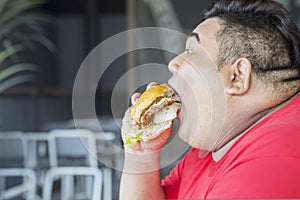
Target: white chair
(71, 154)
(13, 148)
(107, 155)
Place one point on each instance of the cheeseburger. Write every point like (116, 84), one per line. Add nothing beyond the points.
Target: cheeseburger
(153, 113)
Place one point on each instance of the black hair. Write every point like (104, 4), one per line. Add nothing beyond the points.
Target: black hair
(268, 33)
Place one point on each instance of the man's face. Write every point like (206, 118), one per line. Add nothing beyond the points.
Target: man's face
(199, 83)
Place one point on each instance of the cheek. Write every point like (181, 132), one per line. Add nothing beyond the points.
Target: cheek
(196, 94)
(203, 97)
(197, 111)
(190, 83)
(195, 118)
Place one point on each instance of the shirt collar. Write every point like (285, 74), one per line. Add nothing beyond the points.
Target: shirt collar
(218, 155)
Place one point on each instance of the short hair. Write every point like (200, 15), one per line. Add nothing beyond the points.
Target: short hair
(263, 32)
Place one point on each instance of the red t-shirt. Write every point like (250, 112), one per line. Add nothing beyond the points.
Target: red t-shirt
(263, 163)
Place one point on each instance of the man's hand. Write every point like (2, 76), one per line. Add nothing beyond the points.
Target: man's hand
(128, 124)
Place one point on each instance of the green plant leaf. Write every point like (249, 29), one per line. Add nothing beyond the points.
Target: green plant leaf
(15, 81)
(6, 73)
(10, 51)
(29, 42)
(45, 42)
(21, 28)
(2, 5)
(26, 21)
(17, 7)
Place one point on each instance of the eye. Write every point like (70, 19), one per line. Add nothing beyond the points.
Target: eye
(188, 51)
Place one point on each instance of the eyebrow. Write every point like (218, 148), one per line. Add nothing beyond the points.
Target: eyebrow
(196, 35)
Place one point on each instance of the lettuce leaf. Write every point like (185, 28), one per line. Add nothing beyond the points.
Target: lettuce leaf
(132, 140)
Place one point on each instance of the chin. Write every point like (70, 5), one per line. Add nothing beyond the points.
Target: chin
(184, 132)
(183, 137)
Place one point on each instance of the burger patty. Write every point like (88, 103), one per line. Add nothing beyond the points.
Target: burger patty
(157, 106)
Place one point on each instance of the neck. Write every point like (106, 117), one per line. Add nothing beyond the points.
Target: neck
(244, 122)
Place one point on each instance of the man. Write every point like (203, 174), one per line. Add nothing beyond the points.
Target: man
(245, 141)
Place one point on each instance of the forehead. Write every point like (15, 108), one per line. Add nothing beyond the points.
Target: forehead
(207, 31)
(209, 27)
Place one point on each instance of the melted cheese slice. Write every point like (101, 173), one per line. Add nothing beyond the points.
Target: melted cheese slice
(147, 98)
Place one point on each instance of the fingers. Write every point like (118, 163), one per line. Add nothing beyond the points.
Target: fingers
(127, 121)
(150, 85)
(135, 97)
(127, 125)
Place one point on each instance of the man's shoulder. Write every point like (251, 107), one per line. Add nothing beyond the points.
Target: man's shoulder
(281, 129)
(274, 139)
(288, 114)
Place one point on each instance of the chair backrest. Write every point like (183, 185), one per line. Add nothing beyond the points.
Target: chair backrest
(13, 148)
(37, 155)
(72, 147)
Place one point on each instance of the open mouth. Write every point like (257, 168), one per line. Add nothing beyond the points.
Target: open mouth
(179, 114)
(176, 96)
(177, 101)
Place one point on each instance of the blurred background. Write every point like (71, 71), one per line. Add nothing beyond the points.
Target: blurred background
(42, 45)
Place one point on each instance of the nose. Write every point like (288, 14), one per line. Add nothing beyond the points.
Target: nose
(174, 65)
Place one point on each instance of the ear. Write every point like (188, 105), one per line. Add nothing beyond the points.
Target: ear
(240, 77)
